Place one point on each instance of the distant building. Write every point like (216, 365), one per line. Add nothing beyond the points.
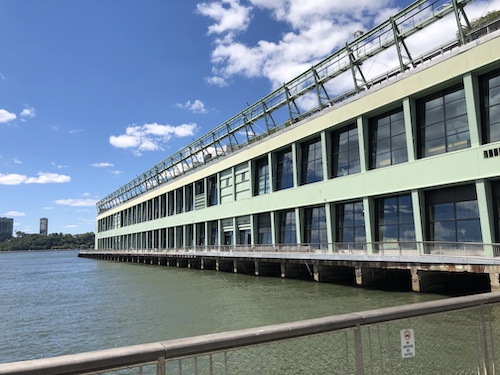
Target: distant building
(44, 226)
(6, 228)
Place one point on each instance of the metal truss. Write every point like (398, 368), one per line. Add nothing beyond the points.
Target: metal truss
(284, 106)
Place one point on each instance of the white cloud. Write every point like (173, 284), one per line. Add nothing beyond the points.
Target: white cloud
(12, 179)
(150, 137)
(116, 172)
(48, 208)
(13, 214)
(48, 178)
(17, 161)
(196, 106)
(28, 112)
(42, 178)
(229, 15)
(311, 30)
(101, 165)
(76, 202)
(6, 116)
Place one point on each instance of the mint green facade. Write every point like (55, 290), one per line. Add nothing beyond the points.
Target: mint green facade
(413, 160)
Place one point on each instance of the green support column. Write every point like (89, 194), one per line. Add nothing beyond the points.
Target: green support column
(270, 158)
(417, 219)
(295, 165)
(471, 88)
(484, 202)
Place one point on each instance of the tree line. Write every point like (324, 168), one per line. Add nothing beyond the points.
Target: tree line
(27, 241)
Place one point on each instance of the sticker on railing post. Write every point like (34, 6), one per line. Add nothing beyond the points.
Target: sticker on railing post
(407, 343)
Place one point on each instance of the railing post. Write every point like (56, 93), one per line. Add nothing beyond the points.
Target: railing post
(160, 366)
(358, 351)
(483, 333)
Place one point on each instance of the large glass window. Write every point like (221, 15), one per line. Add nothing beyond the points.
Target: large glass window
(284, 170)
(388, 140)
(189, 235)
(315, 232)
(212, 191)
(287, 227)
(453, 215)
(179, 201)
(395, 219)
(490, 107)
(311, 165)
(188, 199)
(443, 123)
(261, 177)
(345, 147)
(171, 203)
(200, 234)
(264, 229)
(213, 228)
(351, 222)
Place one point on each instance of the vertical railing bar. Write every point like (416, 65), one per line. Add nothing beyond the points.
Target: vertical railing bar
(180, 366)
(196, 365)
(358, 350)
(225, 363)
(347, 352)
(380, 349)
(160, 366)
(492, 338)
(389, 341)
(370, 348)
(211, 364)
(484, 344)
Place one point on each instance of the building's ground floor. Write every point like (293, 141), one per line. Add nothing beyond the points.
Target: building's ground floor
(448, 217)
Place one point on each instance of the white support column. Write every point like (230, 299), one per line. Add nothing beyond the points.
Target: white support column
(410, 119)
(298, 225)
(324, 155)
(418, 220)
(369, 223)
(330, 225)
(273, 228)
(362, 125)
(485, 205)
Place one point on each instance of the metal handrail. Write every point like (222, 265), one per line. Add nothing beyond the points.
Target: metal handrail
(421, 248)
(159, 352)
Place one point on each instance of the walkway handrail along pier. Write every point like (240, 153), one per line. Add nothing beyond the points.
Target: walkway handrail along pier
(175, 352)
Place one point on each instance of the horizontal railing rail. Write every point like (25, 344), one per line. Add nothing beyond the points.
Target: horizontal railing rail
(476, 311)
(421, 248)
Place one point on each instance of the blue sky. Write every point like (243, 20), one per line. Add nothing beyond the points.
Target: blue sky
(93, 93)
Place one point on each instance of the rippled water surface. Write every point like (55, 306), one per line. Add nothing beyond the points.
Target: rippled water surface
(54, 303)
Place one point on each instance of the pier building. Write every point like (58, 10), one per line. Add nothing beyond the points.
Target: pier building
(392, 170)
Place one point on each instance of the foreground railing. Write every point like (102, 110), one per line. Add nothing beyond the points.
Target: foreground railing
(427, 248)
(449, 336)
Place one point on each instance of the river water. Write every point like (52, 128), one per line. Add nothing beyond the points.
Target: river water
(54, 303)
